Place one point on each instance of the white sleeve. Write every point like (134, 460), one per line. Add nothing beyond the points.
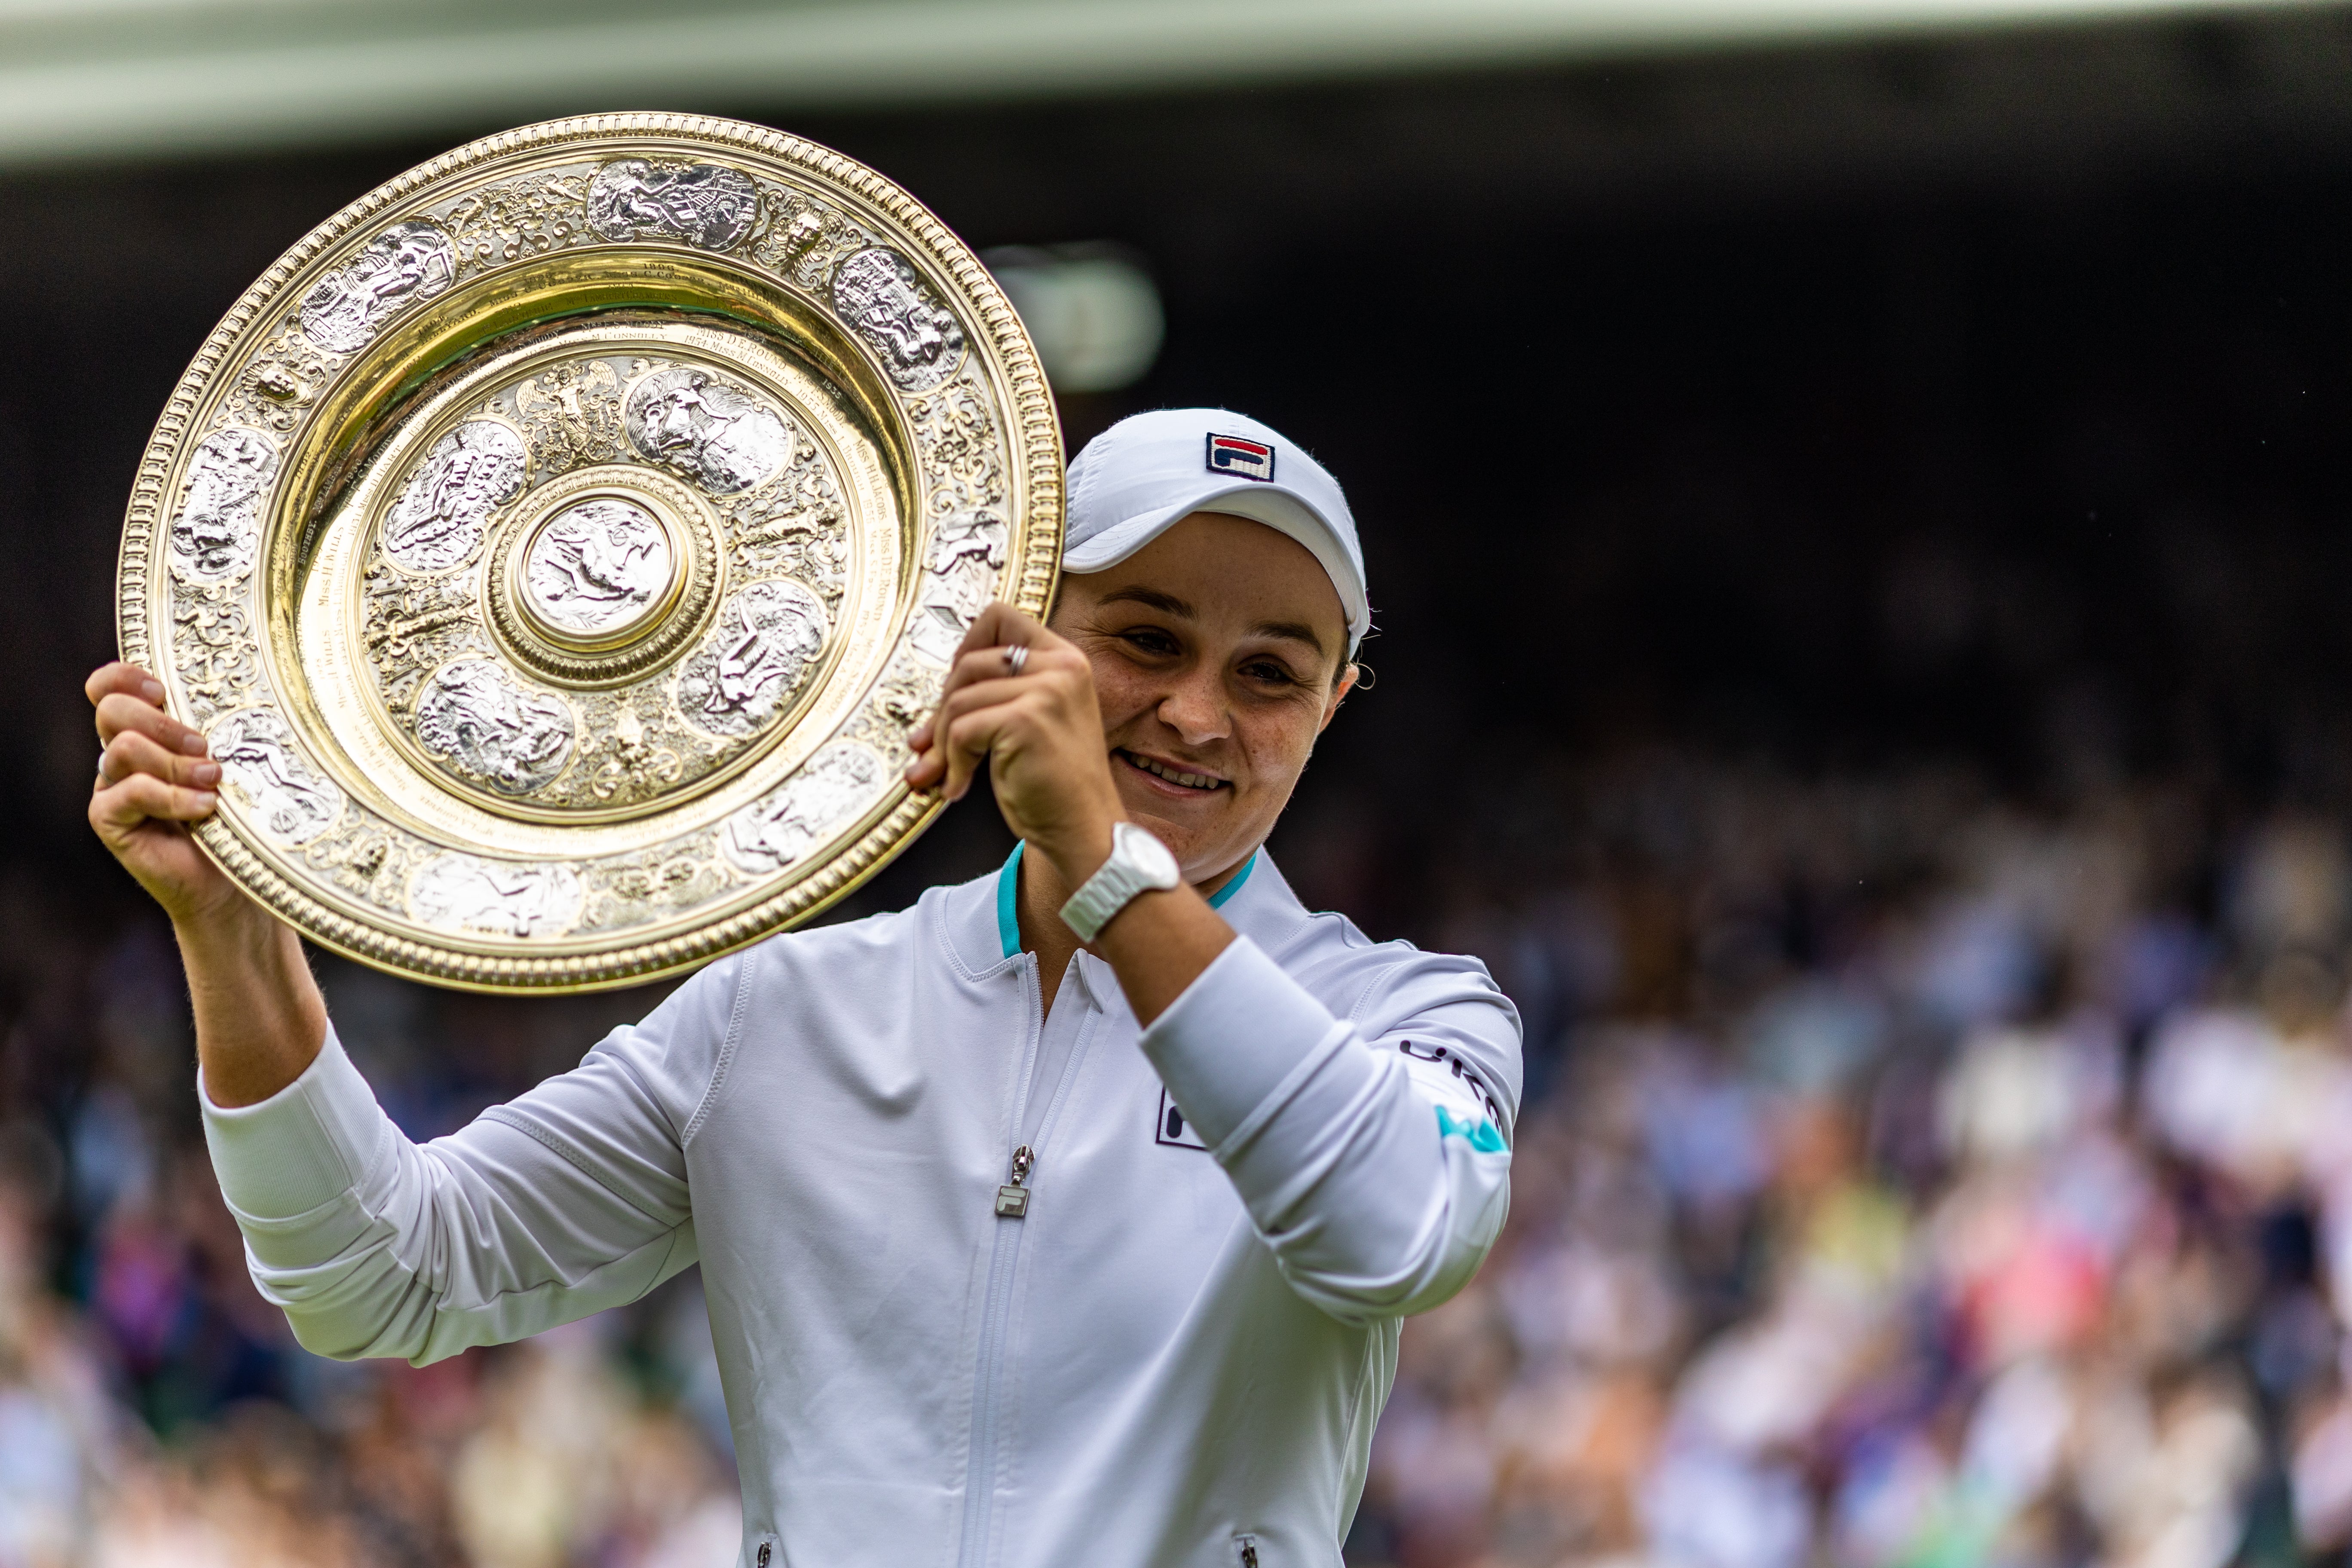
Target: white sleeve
(568, 1200)
(1375, 1162)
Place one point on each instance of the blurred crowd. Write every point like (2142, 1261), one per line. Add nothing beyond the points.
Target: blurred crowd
(1913, 1175)
(1911, 1179)
(155, 1410)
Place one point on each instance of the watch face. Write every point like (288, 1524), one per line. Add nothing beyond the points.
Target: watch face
(1143, 850)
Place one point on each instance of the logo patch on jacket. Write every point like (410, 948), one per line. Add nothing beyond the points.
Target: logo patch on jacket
(1438, 1056)
(1172, 1129)
(1242, 459)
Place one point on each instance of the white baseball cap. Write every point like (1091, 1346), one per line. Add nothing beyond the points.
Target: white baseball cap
(1151, 470)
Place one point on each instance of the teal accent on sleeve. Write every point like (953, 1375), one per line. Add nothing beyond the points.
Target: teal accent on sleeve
(1008, 902)
(1479, 1134)
(1230, 889)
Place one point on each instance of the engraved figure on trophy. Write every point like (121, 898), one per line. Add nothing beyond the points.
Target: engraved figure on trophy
(953, 593)
(700, 427)
(767, 637)
(462, 892)
(571, 415)
(218, 528)
(595, 567)
(771, 833)
(406, 263)
(442, 511)
(878, 294)
(486, 726)
(705, 205)
(256, 757)
(969, 536)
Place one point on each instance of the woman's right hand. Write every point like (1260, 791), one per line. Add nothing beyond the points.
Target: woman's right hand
(259, 1016)
(153, 780)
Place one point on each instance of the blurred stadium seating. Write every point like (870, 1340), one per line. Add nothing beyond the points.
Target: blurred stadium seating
(1860, 530)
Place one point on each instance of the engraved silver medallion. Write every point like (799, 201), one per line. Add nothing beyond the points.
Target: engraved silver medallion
(466, 892)
(707, 205)
(406, 263)
(259, 760)
(475, 716)
(439, 517)
(771, 834)
(975, 536)
(878, 293)
(702, 429)
(952, 594)
(765, 640)
(219, 526)
(597, 568)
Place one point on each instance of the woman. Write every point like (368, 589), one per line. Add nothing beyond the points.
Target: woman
(1067, 1217)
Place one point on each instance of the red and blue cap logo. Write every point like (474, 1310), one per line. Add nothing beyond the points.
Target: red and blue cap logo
(1242, 459)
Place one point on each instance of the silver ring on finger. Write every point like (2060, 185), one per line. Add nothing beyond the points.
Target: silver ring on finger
(1015, 655)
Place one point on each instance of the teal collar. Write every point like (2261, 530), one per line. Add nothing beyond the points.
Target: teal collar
(1008, 901)
(1217, 899)
(1008, 897)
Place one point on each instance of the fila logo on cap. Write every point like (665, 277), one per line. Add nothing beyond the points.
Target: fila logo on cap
(1243, 459)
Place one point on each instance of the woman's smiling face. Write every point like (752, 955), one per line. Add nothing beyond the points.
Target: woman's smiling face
(1217, 651)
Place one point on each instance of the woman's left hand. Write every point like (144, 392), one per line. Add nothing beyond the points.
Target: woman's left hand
(1032, 717)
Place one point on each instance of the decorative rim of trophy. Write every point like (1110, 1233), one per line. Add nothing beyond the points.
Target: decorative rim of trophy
(556, 545)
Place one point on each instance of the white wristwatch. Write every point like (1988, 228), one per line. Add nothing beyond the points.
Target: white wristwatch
(1138, 863)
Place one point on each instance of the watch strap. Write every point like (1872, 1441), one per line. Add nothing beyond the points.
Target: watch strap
(1133, 868)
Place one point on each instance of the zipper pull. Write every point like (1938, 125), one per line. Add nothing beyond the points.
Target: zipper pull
(1012, 1198)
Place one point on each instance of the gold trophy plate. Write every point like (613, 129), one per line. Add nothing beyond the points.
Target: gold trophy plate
(558, 543)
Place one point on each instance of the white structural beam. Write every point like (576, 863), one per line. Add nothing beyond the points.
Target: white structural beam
(82, 78)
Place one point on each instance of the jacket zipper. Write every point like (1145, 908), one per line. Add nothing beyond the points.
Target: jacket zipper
(1012, 1198)
(980, 1487)
(1012, 1206)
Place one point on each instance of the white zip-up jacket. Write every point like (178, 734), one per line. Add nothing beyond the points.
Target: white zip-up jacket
(1172, 1352)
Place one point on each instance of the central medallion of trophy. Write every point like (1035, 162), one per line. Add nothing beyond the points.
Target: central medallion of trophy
(599, 573)
(602, 573)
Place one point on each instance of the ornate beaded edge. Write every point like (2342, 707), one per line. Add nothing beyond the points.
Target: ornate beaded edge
(1037, 448)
